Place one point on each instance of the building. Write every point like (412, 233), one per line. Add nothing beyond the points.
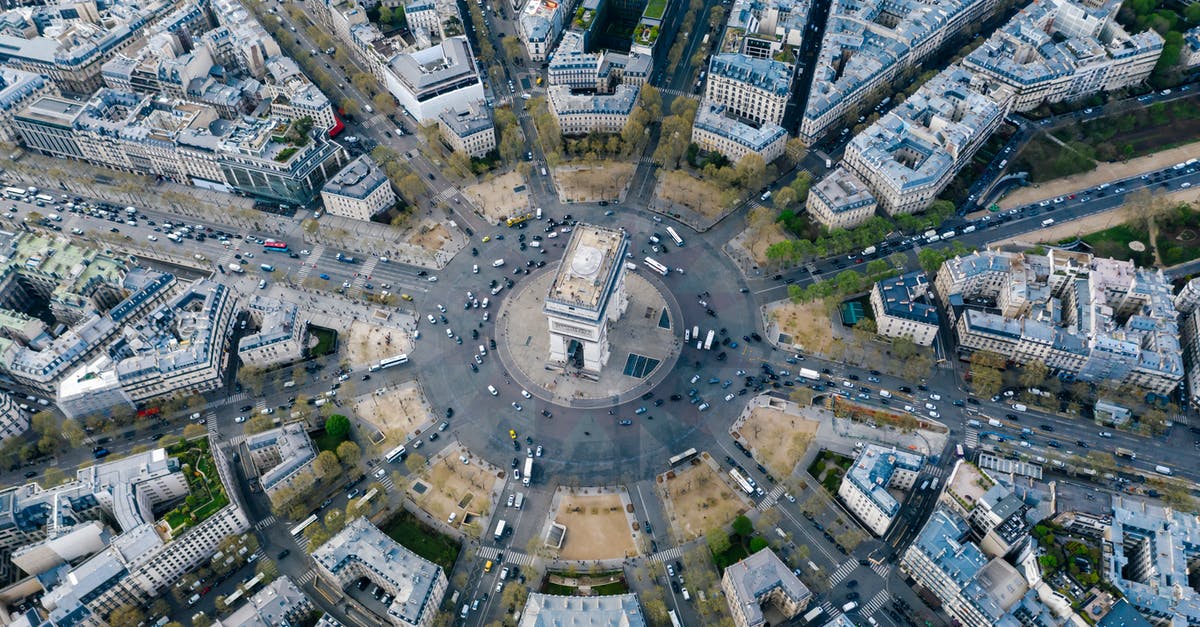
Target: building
(17, 89)
(277, 603)
(1057, 50)
(913, 152)
(360, 191)
(766, 30)
(868, 44)
(13, 420)
(580, 114)
(551, 610)
(1190, 54)
(864, 489)
(751, 89)
(1123, 614)
(470, 131)
(762, 579)
(840, 200)
(901, 311)
(294, 96)
(1153, 548)
(973, 590)
(430, 81)
(1187, 302)
(586, 297)
(601, 71)
(279, 456)
(282, 334)
(361, 550)
(713, 130)
(538, 26)
(1088, 318)
(999, 520)
(92, 389)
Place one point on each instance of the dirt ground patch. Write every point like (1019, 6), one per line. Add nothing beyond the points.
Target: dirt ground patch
(430, 236)
(699, 500)
(496, 198)
(597, 527)
(1094, 222)
(778, 438)
(700, 196)
(808, 324)
(398, 413)
(762, 239)
(455, 487)
(367, 343)
(1103, 173)
(592, 183)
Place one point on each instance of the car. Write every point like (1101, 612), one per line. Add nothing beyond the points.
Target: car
(936, 397)
(366, 377)
(515, 462)
(538, 452)
(625, 423)
(240, 419)
(516, 406)
(30, 474)
(284, 553)
(526, 394)
(1046, 428)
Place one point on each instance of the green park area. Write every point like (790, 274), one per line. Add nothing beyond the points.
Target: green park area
(1175, 231)
(655, 9)
(206, 494)
(828, 469)
(423, 540)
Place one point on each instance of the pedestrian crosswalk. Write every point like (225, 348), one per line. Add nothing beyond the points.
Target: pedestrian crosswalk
(883, 569)
(266, 522)
(830, 610)
(445, 194)
(667, 555)
(237, 440)
(510, 557)
(772, 497)
(367, 270)
(875, 603)
(387, 483)
(972, 439)
(678, 93)
(308, 576)
(211, 423)
(307, 264)
(842, 572)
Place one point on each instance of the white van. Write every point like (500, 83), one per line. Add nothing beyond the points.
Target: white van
(497, 263)
(492, 391)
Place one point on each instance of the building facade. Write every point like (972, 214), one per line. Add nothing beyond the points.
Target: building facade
(580, 114)
(586, 297)
(430, 81)
(864, 489)
(759, 580)
(360, 191)
(17, 89)
(470, 131)
(900, 310)
(282, 334)
(754, 90)
(280, 455)
(714, 131)
(840, 200)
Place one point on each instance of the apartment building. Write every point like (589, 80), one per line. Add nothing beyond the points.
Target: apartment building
(244, 43)
(538, 26)
(415, 584)
(429, 81)
(840, 200)
(901, 311)
(601, 71)
(470, 131)
(294, 96)
(282, 334)
(360, 191)
(715, 131)
(92, 389)
(754, 90)
(580, 114)
(552, 610)
(17, 89)
(277, 603)
(759, 580)
(1190, 54)
(1059, 50)
(763, 30)
(973, 590)
(1153, 549)
(864, 489)
(911, 154)
(279, 455)
(163, 66)
(13, 420)
(1089, 319)
(867, 44)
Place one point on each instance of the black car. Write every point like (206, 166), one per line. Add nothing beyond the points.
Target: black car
(284, 553)
(246, 408)
(449, 413)
(1046, 428)
(366, 377)
(852, 377)
(30, 474)
(1012, 417)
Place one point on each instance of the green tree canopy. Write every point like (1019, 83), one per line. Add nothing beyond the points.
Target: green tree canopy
(337, 426)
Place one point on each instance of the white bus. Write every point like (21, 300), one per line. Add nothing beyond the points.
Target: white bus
(813, 615)
(389, 362)
(366, 498)
(656, 266)
(395, 454)
(741, 481)
(14, 193)
(676, 460)
(675, 619)
(675, 236)
(299, 529)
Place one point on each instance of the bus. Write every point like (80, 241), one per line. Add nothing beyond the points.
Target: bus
(656, 266)
(515, 220)
(274, 246)
(741, 481)
(675, 236)
(674, 619)
(232, 598)
(299, 529)
(958, 450)
(14, 193)
(687, 455)
(813, 615)
(933, 484)
(402, 358)
(395, 454)
(366, 498)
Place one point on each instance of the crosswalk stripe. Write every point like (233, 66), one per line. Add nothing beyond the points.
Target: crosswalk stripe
(308, 576)
(667, 555)
(875, 603)
(882, 569)
(842, 572)
(266, 522)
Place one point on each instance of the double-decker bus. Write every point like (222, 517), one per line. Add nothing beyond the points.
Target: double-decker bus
(274, 246)
(676, 460)
(675, 236)
(656, 266)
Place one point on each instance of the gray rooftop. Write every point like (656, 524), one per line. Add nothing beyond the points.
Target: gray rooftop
(548, 610)
(873, 470)
(759, 575)
(357, 180)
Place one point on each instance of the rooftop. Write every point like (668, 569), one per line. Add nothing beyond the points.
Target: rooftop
(900, 298)
(873, 470)
(1152, 549)
(548, 610)
(357, 180)
(759, 575)
(771, 76)
(591, 263)
(841, 190)
(621, 102)
(712, 118)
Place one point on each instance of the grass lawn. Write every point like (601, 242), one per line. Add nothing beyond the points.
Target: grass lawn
(734, 554)
(611, 589)
(561, 590)
(325, 442)
(206, 494)
(326, 341)
(655, 9)
(1114, 242)
(422, 540)
(829, 468)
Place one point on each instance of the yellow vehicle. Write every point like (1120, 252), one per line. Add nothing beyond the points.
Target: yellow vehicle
(512, 434)
(487, 238)
(406, 297)
(487, 567)
(539, 80)
(515, 220)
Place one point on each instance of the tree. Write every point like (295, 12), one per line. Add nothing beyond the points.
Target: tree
(327, 465)
(384, 103)
(126, 616)
(1034, 373)
(415, 463)
(337, 426)
(987, 381)
(258, 424)
(785, 198)
(54, 476)
(349, 453)
(350, 105)
(335, 520)
(743, 526)
(718, 541)
(757, 543)
(73, 432)
(194, 430)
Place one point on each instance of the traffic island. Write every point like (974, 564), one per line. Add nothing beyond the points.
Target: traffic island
(459, 484)
(399, 413)
(776, 431)
(595, 523)
(697, 499)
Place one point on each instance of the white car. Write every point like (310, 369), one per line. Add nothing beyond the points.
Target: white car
(486, 315)
(441, 308)
(936, 397)
(449, 332)
(432, 279)
(930, 406)
(934, 414)
(432, 320)
(538, 452)
(728, 397)
(517, 406)
(526, 394)
(240, 419)
(510, 500)
(152, 237)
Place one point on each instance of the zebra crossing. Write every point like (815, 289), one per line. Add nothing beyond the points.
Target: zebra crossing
(512, 557)
(445, 194)
(236, 440)
(211, 423)
(830, 611)
(308, 576)
(875, 603)
(306, 268)
(972, 439)
(883, 569)
(367, 270)
(842, 572)
(770, 499)
(266, 522)
(678, 93)
(667, 555)
(387, 483)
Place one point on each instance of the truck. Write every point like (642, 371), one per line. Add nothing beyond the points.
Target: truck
(974, 423)
(520, 499)
(1124, 452)
(708, 339)
(235, 268)
(1020, 407)
(869, 250)
(500, 530)
(810, 374)
(1162, 470)
(1047, 222)
(526, 476)
(345, 258)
